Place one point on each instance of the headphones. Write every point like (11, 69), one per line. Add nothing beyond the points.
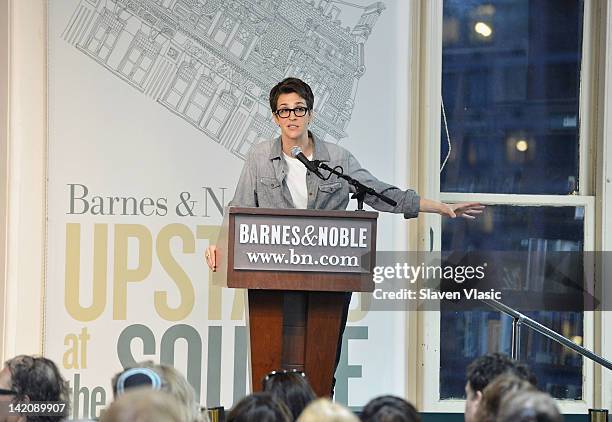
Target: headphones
(138, 377)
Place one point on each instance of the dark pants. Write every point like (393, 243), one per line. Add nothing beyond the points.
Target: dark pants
(345, 309)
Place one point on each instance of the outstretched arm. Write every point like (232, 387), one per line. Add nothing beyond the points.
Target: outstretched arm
(408, 201)
(464, 209)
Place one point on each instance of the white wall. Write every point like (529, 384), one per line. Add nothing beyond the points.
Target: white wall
(26, 169)
(4, 60)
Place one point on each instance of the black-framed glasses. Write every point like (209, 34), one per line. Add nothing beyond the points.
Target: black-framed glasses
(286, 112)
(4, 392)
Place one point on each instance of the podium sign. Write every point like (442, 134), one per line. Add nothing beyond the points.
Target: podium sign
(298, 243)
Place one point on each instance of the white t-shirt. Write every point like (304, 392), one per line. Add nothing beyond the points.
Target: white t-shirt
(296, 181)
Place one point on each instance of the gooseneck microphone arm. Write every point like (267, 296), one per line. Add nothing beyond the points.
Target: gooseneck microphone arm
(360, 189)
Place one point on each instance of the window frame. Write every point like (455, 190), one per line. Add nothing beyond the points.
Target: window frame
(603, 187)
(431, 320)
(430, 15)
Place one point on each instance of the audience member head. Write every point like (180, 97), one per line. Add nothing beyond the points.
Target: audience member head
(290, 387)
(482, 371)
(389, 409)
(324, 410)
(159, 377)
(494, 393)
(529, 406)
(259, 407)
(32, 378)
(145, 405)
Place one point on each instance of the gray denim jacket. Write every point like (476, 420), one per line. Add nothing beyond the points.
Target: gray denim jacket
(262, 182)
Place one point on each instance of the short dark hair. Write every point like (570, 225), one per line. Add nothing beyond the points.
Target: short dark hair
(389, 409)
(39, 379)
(292, 388)
(486, 368)
(259, 407)
(289, 85)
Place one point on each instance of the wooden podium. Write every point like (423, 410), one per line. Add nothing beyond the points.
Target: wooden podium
(299, 266)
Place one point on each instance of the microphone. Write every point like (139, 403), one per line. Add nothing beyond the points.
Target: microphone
(296, 152)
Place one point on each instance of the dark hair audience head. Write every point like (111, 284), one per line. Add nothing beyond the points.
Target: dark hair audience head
(291, 387)
(289, 85)
(389, 409)
(498, 389)
(486, 368)
(529, 406)
(35, 379)
(259, 407)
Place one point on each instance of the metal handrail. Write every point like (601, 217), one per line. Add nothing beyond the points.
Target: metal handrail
(518, 319)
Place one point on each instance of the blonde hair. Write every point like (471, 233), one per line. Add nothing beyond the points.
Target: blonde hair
(175, 384)
(529, 406)
(324, 410)
(494, 393)
(145, 405)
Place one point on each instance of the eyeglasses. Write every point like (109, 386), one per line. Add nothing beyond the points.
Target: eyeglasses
(286, 112)
(4, 392)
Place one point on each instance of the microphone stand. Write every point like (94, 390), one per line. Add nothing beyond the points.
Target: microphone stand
(360, 189)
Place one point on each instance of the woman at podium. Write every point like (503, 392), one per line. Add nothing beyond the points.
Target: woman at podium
(280, 173)
(275, 176)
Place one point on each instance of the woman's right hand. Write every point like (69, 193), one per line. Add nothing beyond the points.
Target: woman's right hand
(211, 257)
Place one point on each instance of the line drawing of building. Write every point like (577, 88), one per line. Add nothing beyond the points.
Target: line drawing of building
(213, 62)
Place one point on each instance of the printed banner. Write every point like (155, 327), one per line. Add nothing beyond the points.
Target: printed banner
(152, 108)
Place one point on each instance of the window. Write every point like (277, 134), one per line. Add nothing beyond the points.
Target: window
(104, 35)
(240, 41)
(139, 59)
(220, 114)
(260, 128)
(510, 88)
(224, 30)
(510, 82)
(180, 85)
(474, 333)
(200, 98)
